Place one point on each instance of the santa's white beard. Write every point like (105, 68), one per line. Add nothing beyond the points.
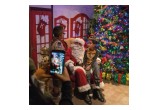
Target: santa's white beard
(77, 51)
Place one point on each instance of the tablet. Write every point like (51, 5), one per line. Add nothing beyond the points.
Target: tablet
(57, 62)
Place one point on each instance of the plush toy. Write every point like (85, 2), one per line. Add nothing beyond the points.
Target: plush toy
(43, 81)
(41, 77)
(44, 58)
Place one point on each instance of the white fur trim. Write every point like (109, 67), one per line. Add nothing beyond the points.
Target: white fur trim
(79, 40)
(91, 71)
(69, 61)
(79, 67)
(94, 86)
(84, 88)
(91, 95)
(98, 59)
(101, 84)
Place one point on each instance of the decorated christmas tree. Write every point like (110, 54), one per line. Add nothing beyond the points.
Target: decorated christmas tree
(110, 27)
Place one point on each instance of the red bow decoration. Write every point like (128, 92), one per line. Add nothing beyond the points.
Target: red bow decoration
(103, 60)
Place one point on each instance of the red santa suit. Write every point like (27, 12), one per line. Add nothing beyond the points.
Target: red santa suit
(74, 57)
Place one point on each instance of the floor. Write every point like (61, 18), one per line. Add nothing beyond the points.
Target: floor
(115, 94)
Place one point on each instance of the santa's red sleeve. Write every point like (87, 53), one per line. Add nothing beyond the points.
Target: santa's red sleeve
(69, 58)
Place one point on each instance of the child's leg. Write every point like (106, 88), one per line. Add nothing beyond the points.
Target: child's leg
(96, 73)
(88, 75)
(96, 87)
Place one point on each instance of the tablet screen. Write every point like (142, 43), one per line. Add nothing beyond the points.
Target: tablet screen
(57, 62)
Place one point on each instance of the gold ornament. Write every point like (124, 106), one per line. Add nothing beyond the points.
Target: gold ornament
(103, 74)
(108, 76)
(103, 48)
(127, 76)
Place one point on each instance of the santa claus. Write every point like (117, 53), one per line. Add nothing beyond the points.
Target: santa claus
(73, 62)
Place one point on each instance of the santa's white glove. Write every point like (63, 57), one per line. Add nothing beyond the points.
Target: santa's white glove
(71, 67)
(79, 61)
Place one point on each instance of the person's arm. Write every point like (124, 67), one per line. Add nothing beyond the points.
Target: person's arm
(85, 58)
(69, 63)
(95, 58)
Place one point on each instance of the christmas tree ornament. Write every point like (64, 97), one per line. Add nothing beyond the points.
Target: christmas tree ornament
(110, 37)
(123, 79)
(103, 48)
(116, 78)
(108, 76)
(103, 75)
(119, 78)
(127, 76)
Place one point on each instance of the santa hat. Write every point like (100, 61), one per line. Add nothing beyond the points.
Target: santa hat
(79, 40)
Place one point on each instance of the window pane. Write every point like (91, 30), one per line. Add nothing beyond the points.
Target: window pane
(73, 33)
(47, 45)
(38, 48)
(84, 19)
(38, 39)
(73, 26)
(84, 26)
(42, 45)
(47, 38)
(45, 18)
(65, 35)
(42, 39)
(47, 29)
(37, 19)
(79, 19)
(36, 29)
(38, 58)
(84, 32)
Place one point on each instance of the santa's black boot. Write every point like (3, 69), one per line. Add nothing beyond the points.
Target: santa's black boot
(87, 99)
(99, 95)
